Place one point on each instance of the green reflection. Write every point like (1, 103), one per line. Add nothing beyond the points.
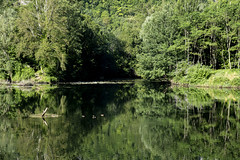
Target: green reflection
(57, 138)
(190, 123)
(139, 121)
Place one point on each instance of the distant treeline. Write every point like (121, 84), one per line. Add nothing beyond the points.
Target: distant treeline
(73, 40)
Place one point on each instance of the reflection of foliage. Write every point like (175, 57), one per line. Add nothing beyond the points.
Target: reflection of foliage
(200, 97)
(191, 97)
(189, 123)
(141, 121)
(26, 101)
(157, 136)
(32, 140)
(29, 138)
(118, 139)
(85, 98)
(6, 102)
(153, 97)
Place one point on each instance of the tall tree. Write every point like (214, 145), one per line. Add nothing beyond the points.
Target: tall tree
(42, 26)
(7, 19)
(158, 34)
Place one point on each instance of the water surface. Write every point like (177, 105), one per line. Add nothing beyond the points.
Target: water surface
(122, 121)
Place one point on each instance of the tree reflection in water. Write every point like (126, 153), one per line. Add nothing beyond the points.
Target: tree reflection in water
(141, 121)
(191, 123)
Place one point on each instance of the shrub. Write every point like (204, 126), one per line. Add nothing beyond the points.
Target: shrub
(235, 82)
(2, 76)
(42, 76)
(23, 72)
(221, 81)
(198, 73)
(180, 70)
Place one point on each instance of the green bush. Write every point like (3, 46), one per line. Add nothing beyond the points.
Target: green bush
(180, 70)
(198, 74)
(221, 81)
(42, 76)
(23, 72)
(2, 76)
(235, 82)
(203, 75)
(194, 74)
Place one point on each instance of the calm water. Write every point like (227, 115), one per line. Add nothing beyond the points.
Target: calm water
(131, 122)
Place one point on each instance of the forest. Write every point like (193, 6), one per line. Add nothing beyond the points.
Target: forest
(82, 40)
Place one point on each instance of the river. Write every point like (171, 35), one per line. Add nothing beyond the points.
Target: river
(137, 121)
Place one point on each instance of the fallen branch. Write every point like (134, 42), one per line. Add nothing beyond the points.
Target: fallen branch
(44, 112)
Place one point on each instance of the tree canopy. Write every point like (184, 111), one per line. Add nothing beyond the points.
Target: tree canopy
(73, 40)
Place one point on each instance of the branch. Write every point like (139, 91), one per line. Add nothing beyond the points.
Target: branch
(44, 112)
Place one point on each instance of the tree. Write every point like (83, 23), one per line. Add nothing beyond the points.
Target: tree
(7, 19)
(158, 34)
(42, 26)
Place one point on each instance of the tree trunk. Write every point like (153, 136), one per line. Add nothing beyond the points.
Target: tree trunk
(228, 46)
(223, 61)
(185, 49)
(212, 52)
(238, 62)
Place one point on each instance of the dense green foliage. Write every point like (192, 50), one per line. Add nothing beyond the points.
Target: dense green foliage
(69, 40)
(72, 40)
(204, 32)
(198, 75)
(157, 34)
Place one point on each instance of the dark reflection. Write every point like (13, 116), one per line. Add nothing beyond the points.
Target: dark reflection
(138, 121)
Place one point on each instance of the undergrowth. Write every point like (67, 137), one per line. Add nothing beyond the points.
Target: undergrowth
(205, 76)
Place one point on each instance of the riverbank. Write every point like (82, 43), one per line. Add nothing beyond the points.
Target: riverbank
(193, 76)
(29, 83)
(202, 76)
(22, 83)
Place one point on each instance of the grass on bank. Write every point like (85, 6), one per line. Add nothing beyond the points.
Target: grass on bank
(200, 75)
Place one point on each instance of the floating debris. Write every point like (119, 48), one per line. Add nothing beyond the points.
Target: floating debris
(46, 115)
(99, 82)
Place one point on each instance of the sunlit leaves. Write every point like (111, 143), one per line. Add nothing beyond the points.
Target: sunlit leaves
(157, 34)
(42, 26)
(7, 19)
